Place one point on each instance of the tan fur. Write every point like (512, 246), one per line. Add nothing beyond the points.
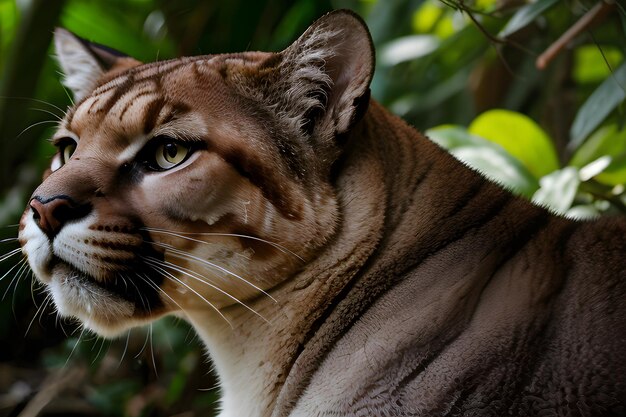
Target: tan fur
(383, 276)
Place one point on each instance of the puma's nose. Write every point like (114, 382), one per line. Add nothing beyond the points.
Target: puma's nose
(52, 214)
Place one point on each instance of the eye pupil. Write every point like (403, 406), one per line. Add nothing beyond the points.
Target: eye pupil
(169, 153)
(170, 149)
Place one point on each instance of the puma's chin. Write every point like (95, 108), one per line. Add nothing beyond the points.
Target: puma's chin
(99, 309)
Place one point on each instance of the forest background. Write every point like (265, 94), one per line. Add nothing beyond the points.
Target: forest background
(530, 93)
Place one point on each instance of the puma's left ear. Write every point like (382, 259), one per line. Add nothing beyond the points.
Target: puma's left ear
(332, 62)
(84, 63)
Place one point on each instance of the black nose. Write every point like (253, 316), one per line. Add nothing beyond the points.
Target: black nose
(52, 214)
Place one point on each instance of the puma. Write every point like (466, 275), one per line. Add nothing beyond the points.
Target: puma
(334, 261)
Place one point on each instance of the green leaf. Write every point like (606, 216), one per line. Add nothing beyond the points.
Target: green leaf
(598, 106)
(486, 157)
(583, 212)
(558, 189)
(592, 64)
(525, 16)
(520, 136)
(608, 141)
(615, 174)
(407, 48)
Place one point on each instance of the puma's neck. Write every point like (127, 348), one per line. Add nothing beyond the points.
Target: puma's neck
(254, 358)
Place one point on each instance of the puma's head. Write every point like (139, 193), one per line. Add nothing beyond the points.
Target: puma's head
(195, 183)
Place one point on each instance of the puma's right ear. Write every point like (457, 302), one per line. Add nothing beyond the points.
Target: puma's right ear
(84, 63)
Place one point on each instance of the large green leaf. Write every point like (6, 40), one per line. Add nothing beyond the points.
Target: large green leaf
(521, 137)
(558, 189)
(598, 106)
(525, 16)
(486, 157)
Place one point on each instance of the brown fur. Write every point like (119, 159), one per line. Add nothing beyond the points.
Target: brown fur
(384, 276)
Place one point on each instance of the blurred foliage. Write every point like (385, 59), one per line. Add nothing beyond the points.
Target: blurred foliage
(466, 72)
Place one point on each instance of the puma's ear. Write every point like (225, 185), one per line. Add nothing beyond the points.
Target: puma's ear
(84, 63)
(329, 70)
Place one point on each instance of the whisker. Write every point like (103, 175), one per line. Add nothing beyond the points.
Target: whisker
(21, 265)
(95, 359)
(258, 239)
(32, 291)
(144, 302)
(152, 352)
(186, 255)
(125, 348)
(12, 268)
(9, 239)
(67, 93)
(75, 345)
(204, 280)
(59, 118)
(156, 265)
(47, 302)
(21, 273)
(156, 287)
(39, 310)
(33, 125)
(35, 100)
(145, 343)
(9, 254)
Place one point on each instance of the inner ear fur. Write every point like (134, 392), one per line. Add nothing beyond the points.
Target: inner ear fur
(85, 63)
(329, 70)
(318, 87)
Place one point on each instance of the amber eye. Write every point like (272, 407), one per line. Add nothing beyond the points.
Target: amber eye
(169, 154)
(67, 147)
(67, 151)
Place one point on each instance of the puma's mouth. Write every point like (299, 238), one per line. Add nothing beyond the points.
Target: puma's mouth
(135, 284)
(105, 306)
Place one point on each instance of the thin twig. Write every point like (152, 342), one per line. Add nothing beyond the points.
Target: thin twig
(58, 382)
(595, 15)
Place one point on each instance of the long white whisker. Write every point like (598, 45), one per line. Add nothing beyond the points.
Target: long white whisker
(186, 255)
(144, 302)
(67, 93)
(182, 236)
(152, 352)
(22, 264)
(10, 254)
(35, 100)
(33, 125)
(204, 280)
(47, 302)
(125, 348)
(156, 265)
(146, 279)
(145, 343)
(9, 239)
(39, 310)
(59, 118)
(95, 359)
(75, 345)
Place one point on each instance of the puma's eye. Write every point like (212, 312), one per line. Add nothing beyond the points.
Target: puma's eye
(67, 147)
(163, 153)
(169, 154)
(67, 151)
